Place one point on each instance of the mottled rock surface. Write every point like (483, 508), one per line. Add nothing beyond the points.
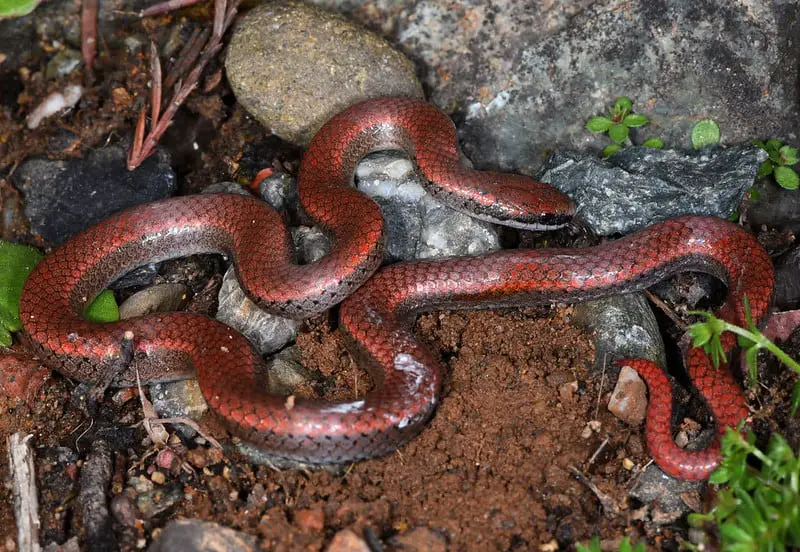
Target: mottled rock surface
(294, 66)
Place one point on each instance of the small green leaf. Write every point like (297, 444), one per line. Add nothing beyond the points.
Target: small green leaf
(787, 178)
(16, 263)
(705, 133)
(719, 475)
(773, 145)
(760, 143)
(618, 133)
(623, 104)
(17, 8)
(753, 194)
(788, 155)
(751, 358)
(700, 334)
(611, 148)
(599, 124)
(795, 397)
(635, 120)
(103, 309)
(656, 143)
(765, 169)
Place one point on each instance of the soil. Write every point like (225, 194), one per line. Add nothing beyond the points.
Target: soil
(503, 465)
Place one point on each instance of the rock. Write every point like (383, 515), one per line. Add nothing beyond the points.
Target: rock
(225, 188)
(347, 541)
(285, 372)
(420, 539)
(180, 398)
(418, 226)
(154, 502)
(65, 197)
(663, 494)
(638, 186)
(158, 298)
(192, 535)
(624, 327)
(787, 280)
(280, 191)
(63, 63)
(629, 399)
(310, 243)
(294, 66)
(775, 207)
(528, 77)
(267, 332)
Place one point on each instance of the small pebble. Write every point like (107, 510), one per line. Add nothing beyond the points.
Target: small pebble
(627, 463)
(158, 478)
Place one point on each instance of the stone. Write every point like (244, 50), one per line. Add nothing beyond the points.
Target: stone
(638, 186)
(293, 66)
(65, 197)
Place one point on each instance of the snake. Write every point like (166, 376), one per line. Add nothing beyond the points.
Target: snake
(377, 305)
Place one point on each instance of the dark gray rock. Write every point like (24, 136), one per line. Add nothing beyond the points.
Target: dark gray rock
(775, 208)
(663, 494)
(192, 535)
(638, 186)
(65, 197)
(624, 327)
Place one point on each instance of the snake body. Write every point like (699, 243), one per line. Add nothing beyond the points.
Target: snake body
(375, 316)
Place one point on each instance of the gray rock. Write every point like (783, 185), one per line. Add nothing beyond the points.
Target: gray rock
(285, 372)
(294, 66)
(775, 207)
(225, 188)
(526, 76)
(663, 494)
(193, 535)
(624, 327)
(158, 298)
(310, 243)
(65, 197)
(177, 399)
(63, 63)
(638, 186)
(418, 226)
(280, 191)
(267, 332)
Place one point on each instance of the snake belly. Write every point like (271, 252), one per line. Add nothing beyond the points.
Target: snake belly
(376, 315)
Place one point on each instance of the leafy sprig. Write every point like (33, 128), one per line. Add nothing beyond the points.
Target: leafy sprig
(781, 158)
(617, 123)
(708, 335)
(759, 509)
(624, 546)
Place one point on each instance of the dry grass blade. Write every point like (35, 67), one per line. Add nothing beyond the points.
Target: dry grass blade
(164, 7)
(144, 146)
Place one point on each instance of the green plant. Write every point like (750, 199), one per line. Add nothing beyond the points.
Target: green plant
(618, 123)
(781, 158)
(16, 263)
(759, 509)
(708, 335)
(705, 133)
(624, 546)
(17, 8)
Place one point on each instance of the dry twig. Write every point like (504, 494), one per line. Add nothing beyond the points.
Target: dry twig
(144, 146)
(164, 7)
(89, 34)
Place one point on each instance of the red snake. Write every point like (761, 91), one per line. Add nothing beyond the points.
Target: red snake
(376, 316)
